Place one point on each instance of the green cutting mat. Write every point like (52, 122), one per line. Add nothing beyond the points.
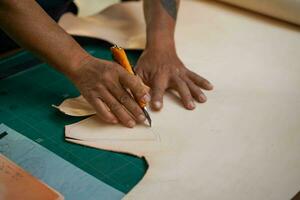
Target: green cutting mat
(25, 105)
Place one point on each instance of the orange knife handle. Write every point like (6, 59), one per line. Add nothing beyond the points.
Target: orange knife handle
(121, 57)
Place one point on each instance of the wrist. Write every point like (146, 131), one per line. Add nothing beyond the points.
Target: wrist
(160, 40)
(161, 48)
(75, 67)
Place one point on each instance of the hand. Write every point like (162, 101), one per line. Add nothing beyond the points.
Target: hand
(104, 85)
(162, 69)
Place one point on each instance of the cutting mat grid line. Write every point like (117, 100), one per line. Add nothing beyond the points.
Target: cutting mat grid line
(25, 105)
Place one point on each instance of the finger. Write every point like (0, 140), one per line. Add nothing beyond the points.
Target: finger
(136, 86)
(117, 109)
(127, 101)
(102, 110)
(159, 86)
(140, 73)
(200, 81)
(184, 93)
(196, 91)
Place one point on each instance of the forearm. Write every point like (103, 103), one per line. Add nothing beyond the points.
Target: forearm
(160, 17)
(27, 23)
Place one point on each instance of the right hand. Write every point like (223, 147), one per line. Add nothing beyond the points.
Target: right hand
(104, 83)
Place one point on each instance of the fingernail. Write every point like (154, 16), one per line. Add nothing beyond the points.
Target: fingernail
(202, 97)
(146, 98)
(157, 104)
(191, 105)
(141, 118)
(209, 85)
(131, 123)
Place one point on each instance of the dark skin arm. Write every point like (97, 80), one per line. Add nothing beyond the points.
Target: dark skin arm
(99, 81)
(159, 66)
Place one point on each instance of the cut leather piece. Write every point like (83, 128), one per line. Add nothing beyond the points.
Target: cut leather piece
(114, 24)
(112, 132)
(76, 107)
(243, 143)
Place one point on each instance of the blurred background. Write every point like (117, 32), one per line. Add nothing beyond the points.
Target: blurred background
(93, 6)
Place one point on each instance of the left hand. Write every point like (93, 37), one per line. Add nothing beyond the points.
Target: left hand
(162, 69)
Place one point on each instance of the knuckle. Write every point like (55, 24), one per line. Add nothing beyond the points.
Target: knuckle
(140, 91)
(137, 81)
(188, 96)
(141, 88)
(133, 80)
(99, 88)
(106, 78)
(185, 90)
(165, 68)
(108, 73)
(124, 99)
(183, 77)
(115, 107)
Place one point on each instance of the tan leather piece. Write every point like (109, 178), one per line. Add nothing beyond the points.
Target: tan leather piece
(243, 143)
(76, 107)
(114, 24)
